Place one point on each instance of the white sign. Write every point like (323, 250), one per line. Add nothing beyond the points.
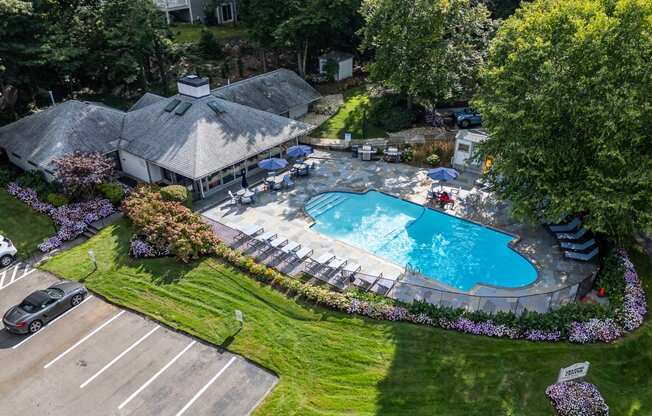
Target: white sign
(347, 137)
(572, 372)
(239, 317)
(91, 255)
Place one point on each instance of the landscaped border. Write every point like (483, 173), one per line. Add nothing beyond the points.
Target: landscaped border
(604, 329)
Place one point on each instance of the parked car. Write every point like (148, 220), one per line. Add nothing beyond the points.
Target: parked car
(7, 252)
(467, 117)
(42, 306)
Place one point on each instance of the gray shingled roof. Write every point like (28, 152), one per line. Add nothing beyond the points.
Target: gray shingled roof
(201, 142)
(276, 92)
(147, 99)
(63, 129)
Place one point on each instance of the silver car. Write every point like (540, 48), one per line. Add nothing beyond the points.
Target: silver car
(43, 306)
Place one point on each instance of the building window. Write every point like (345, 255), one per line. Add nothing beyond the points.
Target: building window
(462, 147)
(17, 156)
(214, 180)
(227, 12)
(167, 175)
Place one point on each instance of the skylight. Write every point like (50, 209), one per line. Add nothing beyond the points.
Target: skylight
(172, 105)
(183, 108)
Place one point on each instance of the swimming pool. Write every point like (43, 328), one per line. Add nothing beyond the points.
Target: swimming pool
(451, 250)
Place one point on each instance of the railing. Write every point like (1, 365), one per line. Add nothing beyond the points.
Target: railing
(540, 302)
(171, 4)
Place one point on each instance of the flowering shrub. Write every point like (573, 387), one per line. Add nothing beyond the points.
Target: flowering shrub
(477, 323)
(80, 172)
(577, 399)
(168, 226)
(71, 219)
(139, 248)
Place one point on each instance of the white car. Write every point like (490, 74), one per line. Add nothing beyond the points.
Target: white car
(7, 252)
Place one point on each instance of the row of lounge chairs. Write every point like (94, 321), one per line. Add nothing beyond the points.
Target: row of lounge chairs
(570, 236)
(337, 272)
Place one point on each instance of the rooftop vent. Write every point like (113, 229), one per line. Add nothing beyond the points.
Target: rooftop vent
(215, 106)
(194, 86)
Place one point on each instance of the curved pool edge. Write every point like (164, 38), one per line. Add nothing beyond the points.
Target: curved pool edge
(478, 285)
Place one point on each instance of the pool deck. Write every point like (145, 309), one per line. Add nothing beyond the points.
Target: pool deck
(282, 212)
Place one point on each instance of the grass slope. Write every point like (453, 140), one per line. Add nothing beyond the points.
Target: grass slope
(25, 228)
(349, 118)
(334, 364)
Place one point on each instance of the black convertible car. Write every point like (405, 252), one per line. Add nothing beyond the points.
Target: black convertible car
(43, 306)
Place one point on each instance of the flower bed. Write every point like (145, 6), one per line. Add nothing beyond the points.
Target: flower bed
(627, 318)
(139, 248)
(71, 219)
(577, 399)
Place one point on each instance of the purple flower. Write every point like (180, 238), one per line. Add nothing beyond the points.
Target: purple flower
(577, 399)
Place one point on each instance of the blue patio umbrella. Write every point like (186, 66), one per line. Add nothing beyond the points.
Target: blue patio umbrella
(299, 151)
(273, 163)
(443, 174)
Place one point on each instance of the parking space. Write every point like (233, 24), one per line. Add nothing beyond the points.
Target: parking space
(101, 360)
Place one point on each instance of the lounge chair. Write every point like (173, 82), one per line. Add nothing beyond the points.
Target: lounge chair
(290, 247)
(248, 231)
(350, 270)
(300, 255)
(263, 238)
(572, 236)
(336, 264)
(321, 261)
(581, 256)
(578, 246)
(564, 228)
(278, 242)
(366, 281)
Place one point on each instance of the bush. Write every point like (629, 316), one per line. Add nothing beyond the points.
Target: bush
(407, 155)
(208, 46)
(80, 173)
(57, 200)
(112, 191)
(390, 112)
(6, 176)
(176, 193)
(433, 159)
(611, 279)
(168, 225)
(35, 179)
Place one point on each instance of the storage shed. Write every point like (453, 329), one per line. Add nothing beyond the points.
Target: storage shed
(344, 62)
(466, 142)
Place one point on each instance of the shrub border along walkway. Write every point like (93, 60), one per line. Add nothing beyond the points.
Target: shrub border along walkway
(626, 319)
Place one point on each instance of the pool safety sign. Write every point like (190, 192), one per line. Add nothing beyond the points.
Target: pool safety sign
(572, 372)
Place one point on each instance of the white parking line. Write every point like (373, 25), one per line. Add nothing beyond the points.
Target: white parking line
(122, 354)
(14, 279)
(203, 389)
(158, 373)
(50, 324)
(81, 341)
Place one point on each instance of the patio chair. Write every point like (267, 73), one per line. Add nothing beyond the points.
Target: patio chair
(578, 246)
(263, 239)
(289, 248)
(366, 281)
(300, 255)
(581, 256)
(288, 182)
(349, 271)
(577, 235)
(248, 231)
(321, 261)
(234, 199)
(336, 264)
(274, 243)
(564, 228)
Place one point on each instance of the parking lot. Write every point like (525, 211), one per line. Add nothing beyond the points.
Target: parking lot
(97, 359)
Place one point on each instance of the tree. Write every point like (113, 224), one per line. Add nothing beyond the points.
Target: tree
(79, 173)
(502, 9)
(566, 97)
(208, 45)
(428, 49)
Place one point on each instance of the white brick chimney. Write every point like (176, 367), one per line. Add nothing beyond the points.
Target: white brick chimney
(194, 86)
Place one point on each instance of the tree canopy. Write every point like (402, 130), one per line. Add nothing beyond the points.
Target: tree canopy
(430, 49)
(566, 95)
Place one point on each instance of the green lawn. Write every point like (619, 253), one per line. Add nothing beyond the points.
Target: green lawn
(334, 364)
(25, 228)
(350, 119)
(186, 32)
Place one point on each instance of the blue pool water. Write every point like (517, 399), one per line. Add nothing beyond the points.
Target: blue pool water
(454, 251)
